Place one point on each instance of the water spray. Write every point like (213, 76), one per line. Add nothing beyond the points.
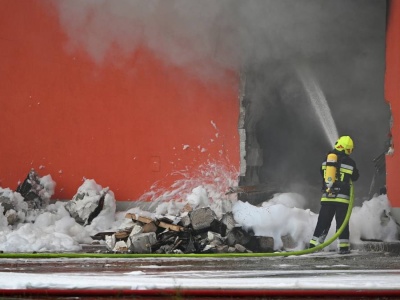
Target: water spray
(319, 103)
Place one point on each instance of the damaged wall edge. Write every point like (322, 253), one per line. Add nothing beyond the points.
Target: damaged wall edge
(241, 126)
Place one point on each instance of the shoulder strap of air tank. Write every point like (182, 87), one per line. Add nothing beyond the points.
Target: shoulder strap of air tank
(339, 163)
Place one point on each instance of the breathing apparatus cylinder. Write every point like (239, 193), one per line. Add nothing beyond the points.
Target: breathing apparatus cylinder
(330, 172)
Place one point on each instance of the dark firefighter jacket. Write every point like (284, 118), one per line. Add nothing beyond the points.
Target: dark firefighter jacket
(346, 173)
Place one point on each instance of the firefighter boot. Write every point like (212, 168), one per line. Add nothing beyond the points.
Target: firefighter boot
(344, 246)
(344, 250)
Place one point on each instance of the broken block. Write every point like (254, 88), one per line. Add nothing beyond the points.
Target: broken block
(120, 246)
(218, 226)
(214, 239)
(266, 243)
(110, 241)
(237, 236)
(222, 249)
(240, 248)
(141, 243)
(136, 230)
(229, 221)
(185, 220)
(202, 218)
(150, 227)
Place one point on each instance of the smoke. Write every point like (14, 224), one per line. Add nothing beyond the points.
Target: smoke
(342, 43)
(180, 33)
(224, 33)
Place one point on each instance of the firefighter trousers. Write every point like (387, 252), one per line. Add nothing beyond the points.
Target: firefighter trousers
(330, 209)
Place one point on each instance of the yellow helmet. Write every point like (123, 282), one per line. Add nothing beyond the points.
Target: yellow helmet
(345, 143)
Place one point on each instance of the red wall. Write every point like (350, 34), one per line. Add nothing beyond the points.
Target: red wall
(125, 127)
(392, 95)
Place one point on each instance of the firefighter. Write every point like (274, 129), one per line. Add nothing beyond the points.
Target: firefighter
(337, 192)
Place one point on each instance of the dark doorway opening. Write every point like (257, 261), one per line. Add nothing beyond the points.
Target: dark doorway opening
(285, 142)
(282, 140)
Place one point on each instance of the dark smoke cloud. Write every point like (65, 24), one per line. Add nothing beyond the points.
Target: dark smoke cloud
(341, 41)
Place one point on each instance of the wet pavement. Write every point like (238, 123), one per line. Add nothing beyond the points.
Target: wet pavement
(367, 274)
(356, 260)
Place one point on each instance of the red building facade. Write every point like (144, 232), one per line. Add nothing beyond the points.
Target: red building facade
(127, 126)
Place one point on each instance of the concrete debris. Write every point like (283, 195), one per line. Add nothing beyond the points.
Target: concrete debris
(11, 210)
(102, 235)
(265, 243)
(185, 220)
(12, 217)
(36, 190)
(218, 226)
(241, 249)
(228, 220)
(237, 236)
(142, 242)
(120, 235)
(150, 227)
(198, 231)
(120, 246)
(191, 228)
(85, 206)
(159, 223)
(7, 203)
(110, 241)
(202, 218)
(222, 249)
(214, 239)
(136, 229)
(13, 206)
(31, 189)
(195, 227)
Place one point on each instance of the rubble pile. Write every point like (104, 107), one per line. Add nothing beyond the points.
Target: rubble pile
(36, 190)
(85, 206)
(195, 231)
(199, 224)
(13, 206)
(192, 219)
(32, 194)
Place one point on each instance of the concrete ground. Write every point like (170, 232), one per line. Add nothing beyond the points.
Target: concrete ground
(371, 270)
